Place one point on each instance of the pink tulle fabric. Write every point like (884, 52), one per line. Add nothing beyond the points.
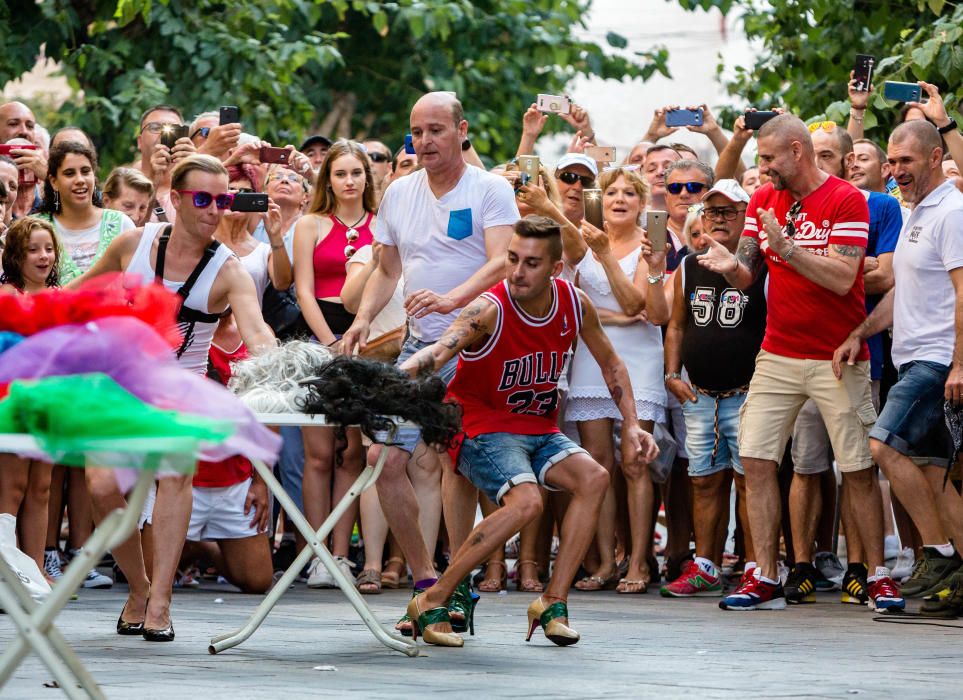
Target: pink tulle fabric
(114, 295)
(139, 359)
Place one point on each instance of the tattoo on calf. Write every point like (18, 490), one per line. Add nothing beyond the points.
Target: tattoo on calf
(849, 251)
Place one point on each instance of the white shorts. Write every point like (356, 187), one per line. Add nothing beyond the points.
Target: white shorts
(218, 514)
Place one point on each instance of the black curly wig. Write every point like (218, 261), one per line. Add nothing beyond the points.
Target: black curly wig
(349, 391)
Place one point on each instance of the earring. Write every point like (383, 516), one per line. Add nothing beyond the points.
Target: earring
(56, 201)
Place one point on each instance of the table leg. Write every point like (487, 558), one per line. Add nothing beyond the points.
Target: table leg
(315, 545)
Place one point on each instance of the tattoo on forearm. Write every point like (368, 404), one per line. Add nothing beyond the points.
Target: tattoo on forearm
(616, 391)
(849, 251)
(748, 254)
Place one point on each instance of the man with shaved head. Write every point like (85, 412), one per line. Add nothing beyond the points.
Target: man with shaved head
(17, 122)
(446, 229)
(925, 309)
(811, 229)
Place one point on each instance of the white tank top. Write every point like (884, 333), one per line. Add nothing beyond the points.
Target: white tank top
(194, 357)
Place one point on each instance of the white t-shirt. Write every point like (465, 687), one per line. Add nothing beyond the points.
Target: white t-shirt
(82, 244)
(442, 241)
(256, 263)
(930, 245)
(393, 315)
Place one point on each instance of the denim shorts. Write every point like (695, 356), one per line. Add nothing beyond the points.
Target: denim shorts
(712, 433)
(408, 438)
(912, 421)
(495, 462)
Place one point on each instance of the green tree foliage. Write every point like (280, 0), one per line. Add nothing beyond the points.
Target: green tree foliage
(343, 67)
(808, 48)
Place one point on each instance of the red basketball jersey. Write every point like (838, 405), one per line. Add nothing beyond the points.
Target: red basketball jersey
(510, 385)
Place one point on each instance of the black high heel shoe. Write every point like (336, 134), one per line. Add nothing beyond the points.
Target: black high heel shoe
(164, 635)
(128, 628)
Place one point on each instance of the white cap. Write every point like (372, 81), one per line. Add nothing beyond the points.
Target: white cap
(577, 159)
(729, 189)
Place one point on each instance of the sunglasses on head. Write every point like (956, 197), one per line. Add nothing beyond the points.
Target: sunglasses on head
(378, 157)
(203, 131)
(690, 187)
(202, 199)
(828, 127)
(570, 178)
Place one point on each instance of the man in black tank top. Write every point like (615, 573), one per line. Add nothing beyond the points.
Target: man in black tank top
(714, 333)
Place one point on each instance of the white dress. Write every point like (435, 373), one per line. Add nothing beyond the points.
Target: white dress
(639, 345)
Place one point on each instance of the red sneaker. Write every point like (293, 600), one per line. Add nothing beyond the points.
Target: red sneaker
(755, 595)
(693, 582)
(884, 596)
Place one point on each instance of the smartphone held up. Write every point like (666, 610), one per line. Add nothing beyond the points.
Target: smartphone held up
(656, 229)
(592, 202)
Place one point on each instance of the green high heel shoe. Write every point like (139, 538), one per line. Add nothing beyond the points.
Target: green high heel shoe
(463, 602)
(547, 616)
(406, 631)
(421, 620)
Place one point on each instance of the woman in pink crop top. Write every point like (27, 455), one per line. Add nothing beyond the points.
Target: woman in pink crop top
(338, 222)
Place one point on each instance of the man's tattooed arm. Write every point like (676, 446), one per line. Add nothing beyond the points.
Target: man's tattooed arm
(749, 256)
(474, 323)
(849, 251)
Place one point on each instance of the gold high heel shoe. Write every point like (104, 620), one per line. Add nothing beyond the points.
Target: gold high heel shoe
(420, 621)
(547, 616)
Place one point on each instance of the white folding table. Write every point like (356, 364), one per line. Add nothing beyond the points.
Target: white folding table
(35, 621)
(315, 540)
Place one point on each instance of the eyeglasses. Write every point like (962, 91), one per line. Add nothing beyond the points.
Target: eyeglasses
(828, 127)
(378, 157)
(690, 187)
(721, 213)
(570, 178)
(290, 177)
(157, 127)
(203, 131)
(202, 199)
(610, 168)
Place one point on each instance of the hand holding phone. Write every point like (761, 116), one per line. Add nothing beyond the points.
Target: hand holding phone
(592, 202)
(755, 120)
(250, 201)
(554, 104)
(902, 92)
(684, 117)
(230, 115)
(271, 154)
(528, 169)
(601, 154)
(656, 229)
(863, 72)
(171, 132)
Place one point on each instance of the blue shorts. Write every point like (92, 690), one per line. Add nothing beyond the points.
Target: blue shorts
(495, 462)
(912, 421)
(408, 438)
(712, 433)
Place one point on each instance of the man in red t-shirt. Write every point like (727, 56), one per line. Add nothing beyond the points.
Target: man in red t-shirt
(514, 340)
(811, 229)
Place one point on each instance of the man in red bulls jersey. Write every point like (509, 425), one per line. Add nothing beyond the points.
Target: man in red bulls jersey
(513, 341)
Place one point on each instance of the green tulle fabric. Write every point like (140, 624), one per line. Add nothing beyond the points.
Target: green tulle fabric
(89, 419)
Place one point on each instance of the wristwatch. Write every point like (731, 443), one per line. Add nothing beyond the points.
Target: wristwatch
(655, 279)
(672, 375)
(948, 128)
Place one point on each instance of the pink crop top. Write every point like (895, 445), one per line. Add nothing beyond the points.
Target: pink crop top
(329, 258)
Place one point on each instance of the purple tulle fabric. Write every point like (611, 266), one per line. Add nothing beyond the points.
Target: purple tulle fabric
(137, 358)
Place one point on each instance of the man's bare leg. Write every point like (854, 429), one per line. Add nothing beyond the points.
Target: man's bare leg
(866, 505)
(707, 507)
(912, 489)
(948, 502)
(424, 471)
(172, 515)
(805, 509)
(105, 498)
(742, 513)
(459, 498)
(764, 507)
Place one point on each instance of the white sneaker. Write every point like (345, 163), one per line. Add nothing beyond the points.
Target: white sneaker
(318, 576)
(51, 564)
(346, 566)
(95, 579)
(905, 562)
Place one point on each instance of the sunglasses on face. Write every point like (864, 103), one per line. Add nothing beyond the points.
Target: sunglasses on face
(378, 157)
(203, 131)
(202, 199)
(570, 178)
(157, 127)
(690, 187)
